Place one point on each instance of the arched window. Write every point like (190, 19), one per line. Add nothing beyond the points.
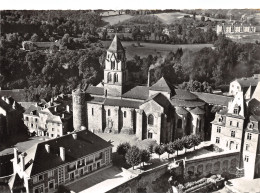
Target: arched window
(116, 77)
(125, 114)
(112, 65)
(179, 123)
(109, 77)
(108, 112)
(150, 119)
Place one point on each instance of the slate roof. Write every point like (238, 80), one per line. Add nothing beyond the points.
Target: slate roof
(33, 108)
(161, 100)
(122, 103)
(116, 45)
(17, 94)
(197, 111)
(246, 82)
(214, 98)
(38, 160)
(97, 100)
(163, 85)
(138, 92)
(184, 103)
(95, 90)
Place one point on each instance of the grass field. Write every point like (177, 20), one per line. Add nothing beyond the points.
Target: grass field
(111, 20)
(155, 49)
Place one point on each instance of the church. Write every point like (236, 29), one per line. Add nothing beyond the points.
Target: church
(159, 111)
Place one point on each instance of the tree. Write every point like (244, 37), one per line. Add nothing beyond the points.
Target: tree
(202, 18)
(178, 145)
(188, 142)
(170, 149)
(35, 38)
(122, 148)
(159, 149)
(133, 156)
(145, 156)
(196, 140)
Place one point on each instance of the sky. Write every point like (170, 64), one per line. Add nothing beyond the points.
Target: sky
(129, 4)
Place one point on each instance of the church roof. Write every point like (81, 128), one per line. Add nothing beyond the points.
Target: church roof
(214, 98)
(86, 143)
(187, 103)
(181, 110)
(160, 99)
(138, 92)
(116, 45)
(182, 94)
(95, 90)
(122, 103)
(197, 111)
(162, 85)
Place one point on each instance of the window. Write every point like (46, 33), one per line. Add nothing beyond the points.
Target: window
(35, 179)
(218, 129)
(247, 147)
(179, 123)
(50, 173)
(237, 124)
(199, 124)
(40, 177)
(150, 119)
(52, 135)
(116, 77)
(124, 114)
(220, 119)
(150, 135)
(230, 123)
(217, 140)
(51, 184)
(236, 146)
(250, 125)
(246, 158)
(112, 65)
(236, 111)
(52, 129)
(109, 77)
(249, 136)
(233, 133)
(26, 118)
(36, 120)
(108, 112)
(31, 125)
(92, 112)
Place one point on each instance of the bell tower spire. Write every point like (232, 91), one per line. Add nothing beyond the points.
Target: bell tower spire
(115, 72)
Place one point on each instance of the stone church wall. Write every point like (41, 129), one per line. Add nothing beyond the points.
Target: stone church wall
(94, 112)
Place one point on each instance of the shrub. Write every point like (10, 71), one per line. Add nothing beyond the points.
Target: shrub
(159, 149)
(123, 148)
(133, 156)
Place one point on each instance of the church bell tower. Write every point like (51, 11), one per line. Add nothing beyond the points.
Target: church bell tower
(115, 72)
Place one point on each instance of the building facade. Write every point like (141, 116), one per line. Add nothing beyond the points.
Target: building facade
(160, 111)
(235, 28)
(47, 165)
(237, 128)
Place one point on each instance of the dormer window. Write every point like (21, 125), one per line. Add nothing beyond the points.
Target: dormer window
(220, 119)
(250, 125)
(236, 111)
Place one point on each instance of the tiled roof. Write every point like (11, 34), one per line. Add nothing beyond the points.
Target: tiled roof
(17, 94)
(138, 92)
(95, 90)
(181, 110)
(246, 82)
(182, 94)
(38, 160)
(214, 98)
(197, 111)
(116, 45)
(122, 103)
(163, 85)
(161, 100)
(184, 103)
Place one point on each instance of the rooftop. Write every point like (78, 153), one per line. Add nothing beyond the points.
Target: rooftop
(163, 85)
(85, 144)
(249, 81)
(122, 103)
(138, 92)
(95, 90)
(214, 98)
(116, 45)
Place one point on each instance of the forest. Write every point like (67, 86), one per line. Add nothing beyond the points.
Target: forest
(60, 71)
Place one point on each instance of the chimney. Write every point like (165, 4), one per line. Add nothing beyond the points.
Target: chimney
(68, 108)
(15, 156)
(74, 135)
(62, 153)
(14, 105)
(148, 79)
(47, 147)
(55, 109)
(22, 164)
(62, 115)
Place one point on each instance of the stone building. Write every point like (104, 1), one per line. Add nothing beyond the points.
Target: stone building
(10, 118)
(237, 128)
(235, 28)
(49, 164)
(52, 120)
(159, 112)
